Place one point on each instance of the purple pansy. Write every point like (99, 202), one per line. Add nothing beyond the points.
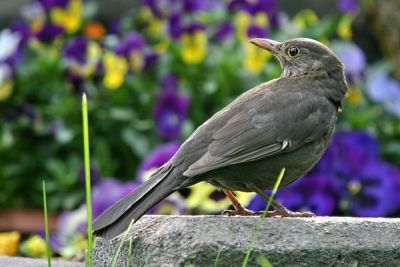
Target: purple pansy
(174, 26)
(108, 191)
(348, 151)
(361, 180)
(55, 243)
(268, 7)
(313, 192)
(49, 32)
(347, 6)
(135, 44)
(255, 31)
(170, 109)
(24, 31)
(224, 31)
(114, 27)
(157, 158)
(353, 58)
(75, 50)
(373, 192)
(49, 4)
(193, 27)
(351, 174)
(192, 6)
(132, 42)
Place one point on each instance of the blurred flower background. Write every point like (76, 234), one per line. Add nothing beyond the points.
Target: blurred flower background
(152, 76)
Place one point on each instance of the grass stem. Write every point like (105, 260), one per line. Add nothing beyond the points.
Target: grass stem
(87, 178)
(260, 222)
(46, 226)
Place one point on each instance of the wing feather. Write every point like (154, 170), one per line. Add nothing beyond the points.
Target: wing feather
(261, 130)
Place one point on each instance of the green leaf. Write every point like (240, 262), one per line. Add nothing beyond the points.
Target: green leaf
(138, 143)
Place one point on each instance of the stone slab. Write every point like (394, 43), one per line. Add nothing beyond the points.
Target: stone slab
(29, 262)
(196, 241)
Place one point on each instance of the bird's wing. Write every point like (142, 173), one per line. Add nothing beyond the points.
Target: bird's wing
(265, 128)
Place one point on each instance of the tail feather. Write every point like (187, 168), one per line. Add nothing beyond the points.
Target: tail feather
(117, 218)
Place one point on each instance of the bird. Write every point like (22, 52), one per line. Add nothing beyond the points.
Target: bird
(286, 122)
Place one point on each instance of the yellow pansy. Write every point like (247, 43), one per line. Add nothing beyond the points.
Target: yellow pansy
(162, 46)
(156, 27)
(92, 59)
(344, 28)
(36, 25)
(77, 246)
(305, 18)
(261, 19)
(194, 47)
(354, 96)
(136, 60)
(255, 59)
(242, 22)
(35, 247)
(6, 88)
(70, 18)
(145, 15)
(115, 68)
(9, 243)
(199, 198)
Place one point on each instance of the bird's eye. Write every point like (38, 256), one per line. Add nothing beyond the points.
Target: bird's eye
(293, 51)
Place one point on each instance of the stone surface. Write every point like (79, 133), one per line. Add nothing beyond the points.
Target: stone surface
(28, 262)
(196, 240)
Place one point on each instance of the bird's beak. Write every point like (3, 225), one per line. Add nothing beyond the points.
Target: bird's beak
(267, 44)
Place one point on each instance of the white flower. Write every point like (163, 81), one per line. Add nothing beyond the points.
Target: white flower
(5, 73)
(8, 43)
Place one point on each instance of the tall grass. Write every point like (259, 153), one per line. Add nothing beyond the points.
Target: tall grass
(46, 226)
(217, 257)
(86, 153)
(121, 243)
(262, 218)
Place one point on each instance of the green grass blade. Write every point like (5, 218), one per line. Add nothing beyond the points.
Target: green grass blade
(116, 255)
(87, 178)
(217, 257)
(264, 262)
(130, 259)
(260, 222)
(46, 226)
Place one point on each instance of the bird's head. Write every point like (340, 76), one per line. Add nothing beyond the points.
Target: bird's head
(302, 56)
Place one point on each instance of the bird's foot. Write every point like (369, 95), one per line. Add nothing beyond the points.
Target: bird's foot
(287, 213)
(242, 212)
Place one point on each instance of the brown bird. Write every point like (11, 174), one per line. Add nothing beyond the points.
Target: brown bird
(284, 123)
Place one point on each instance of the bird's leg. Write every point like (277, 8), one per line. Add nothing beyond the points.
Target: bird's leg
(239, 210)
(280, 210)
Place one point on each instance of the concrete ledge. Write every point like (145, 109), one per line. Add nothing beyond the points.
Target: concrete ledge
(196, 240)
(28, 262)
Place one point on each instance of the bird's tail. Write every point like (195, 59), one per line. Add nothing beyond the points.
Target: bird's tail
(117, 218)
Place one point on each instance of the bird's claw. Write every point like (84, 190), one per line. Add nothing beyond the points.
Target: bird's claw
(275, 213)
(287, 213)
(242, 212)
